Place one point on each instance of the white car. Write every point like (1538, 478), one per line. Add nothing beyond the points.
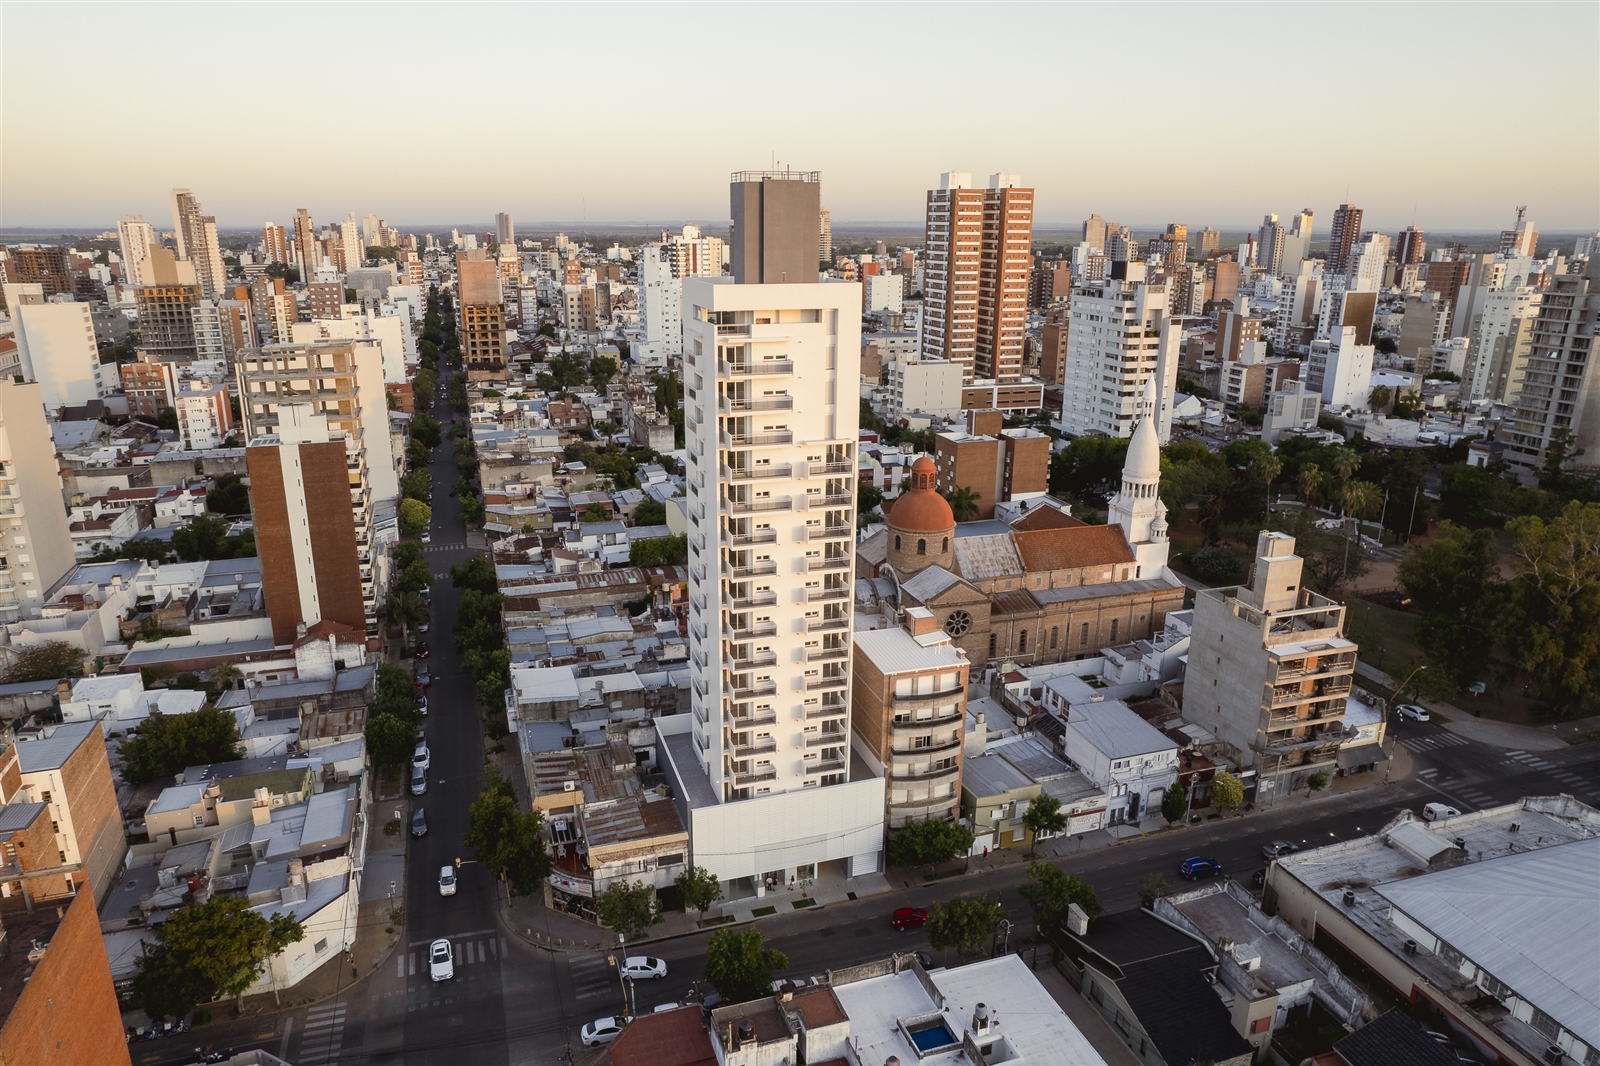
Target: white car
(1432, 812)
(601, 1031)
(642, 967)
(1411, 711)
(447, 880)
(421, 759)
(422, 707)
(441, 963)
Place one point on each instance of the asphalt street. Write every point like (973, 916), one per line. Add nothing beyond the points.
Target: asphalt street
(510, 1003)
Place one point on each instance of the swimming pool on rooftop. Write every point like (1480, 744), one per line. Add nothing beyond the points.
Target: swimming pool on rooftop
(932, 1036)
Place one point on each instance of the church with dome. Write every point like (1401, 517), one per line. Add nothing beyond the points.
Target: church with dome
(1045, 588)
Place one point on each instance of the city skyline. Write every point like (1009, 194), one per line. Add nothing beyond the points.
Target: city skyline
(1292, 145)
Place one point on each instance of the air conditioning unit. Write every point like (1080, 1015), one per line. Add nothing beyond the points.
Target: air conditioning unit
(1410, 947)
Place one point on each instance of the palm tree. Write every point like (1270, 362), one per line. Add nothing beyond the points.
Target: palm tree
(1310, 483)
(1267, 468)
(1344, 462)
(963, 503)
(1379, 399)
(224, 676)
(404, 609)
(1360, 498)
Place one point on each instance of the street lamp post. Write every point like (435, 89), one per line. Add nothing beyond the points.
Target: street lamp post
(1388, 765)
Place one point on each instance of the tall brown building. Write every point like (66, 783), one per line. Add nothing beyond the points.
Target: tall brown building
(976, 274)
(301, 490)
(50, 268)
(1409, 246)
(274, 243)
(166, 308)
(1053, 349)
(325, 299)
(1049, 281)
(997, 464)
(777, 224)
(59, 1006)
(481, 317)
(1343, 238)
(149, 385)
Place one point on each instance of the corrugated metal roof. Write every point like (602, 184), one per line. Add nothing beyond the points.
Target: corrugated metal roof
(1112, 729)
(895, 651)
(52, 751)
(927, 584)
(982, 558)
(1528, 919)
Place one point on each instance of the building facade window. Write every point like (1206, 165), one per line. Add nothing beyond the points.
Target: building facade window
(1114, 622)
(1084, 639)
(1055, 632)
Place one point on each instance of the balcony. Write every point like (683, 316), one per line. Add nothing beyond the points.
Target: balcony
(781, 503)
(744, 473)
(756, 690)
(926, 699)
(822, 766)
(823, 740)
(756, 747)
(756, 440)
(822, 625)
(760, 569)
(751, 777)
(827, 654)
(751, 632)
(837, 562)
(948, 768)
(827, 710)
(753, 599)
(843, 466)
(831, 681)
(919, 726)
(762, 368)
(818, 595)
(831, 531)
(761, 403)
(753, 660)
(765, 716)
(935, 748)
(759, 536)
(843, 499)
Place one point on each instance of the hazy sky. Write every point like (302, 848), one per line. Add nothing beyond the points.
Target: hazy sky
(1448, 113)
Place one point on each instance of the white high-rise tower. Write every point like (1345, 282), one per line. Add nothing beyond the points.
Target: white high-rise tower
(196, 236)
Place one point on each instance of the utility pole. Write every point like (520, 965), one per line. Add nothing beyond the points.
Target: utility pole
(1413, 522)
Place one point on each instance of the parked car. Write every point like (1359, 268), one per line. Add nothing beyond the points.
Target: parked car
(427, 538)
(909, 918)
(422, 707)
(1432, 812)
(426, 592)
(419, 781)
(601, 1031)
(662, 1008)
(424, 625)
(421, 651)
(1411, 711)
(447, 880)
(1279, 848)
(641, 967)
(419, 823)
(1199, 866)
(420, 691)
(424, 678)
(926, 960)
(422, 758)
(441, 961)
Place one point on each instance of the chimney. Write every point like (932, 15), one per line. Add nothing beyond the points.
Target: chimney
(300, 630)
(1077, 920)
(745, 1035)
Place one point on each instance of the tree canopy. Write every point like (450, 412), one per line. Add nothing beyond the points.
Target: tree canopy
(1226, 791)
(50, 661)
(206, 537)
(1050, 892)
(164, 744)
(698, 888)
(414, 517)
(628, 907)
(506, 839)
(963, 923)
(659, 551)
(928, 843)
(740, 966)
(1044, 816)
(205, 951)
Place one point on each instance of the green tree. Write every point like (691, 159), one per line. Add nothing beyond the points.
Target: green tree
(963, 503)
(205, 951)
(1317, 781)
(698, 888)
(659, 551)
(1552, 629)
(417, 485)
(868, 496)
(390, 739)
(1309, 484)
(414, 517)
(50, 661)
(471, 510)
(397, 695)
(650, 512)
(963, 923)
(602, 368)
(928, 843)
(228, 495)
(1226, 791)
(740, 966)
(628, 907)
(1044, 816)
(1175, 803)
(1089, 468)
(476, 573)
(507, 840)
(203, 537)
(427, 430)
(1454, 582)
(1378, 399)
(147, 548)
(1050, 892)
(414, 576)
(595, 513)
(1151, 888)
(164, 744)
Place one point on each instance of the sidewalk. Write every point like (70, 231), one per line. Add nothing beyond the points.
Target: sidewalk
(1505, 735)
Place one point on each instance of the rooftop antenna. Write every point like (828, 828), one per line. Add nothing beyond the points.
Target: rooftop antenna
(1522, 209)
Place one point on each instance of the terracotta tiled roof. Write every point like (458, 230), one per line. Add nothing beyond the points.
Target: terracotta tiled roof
(1071, 548)
(671, 1038)
(1046, 517)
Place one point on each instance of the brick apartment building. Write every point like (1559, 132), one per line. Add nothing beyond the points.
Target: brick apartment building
(59, 1008)
(998, 464)
(69, 773)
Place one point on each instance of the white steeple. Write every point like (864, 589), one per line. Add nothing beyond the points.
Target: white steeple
(1137, 506)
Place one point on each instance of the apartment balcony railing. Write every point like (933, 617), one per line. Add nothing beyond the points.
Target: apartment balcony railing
(756, 691)
(921, 725)
(818, 595)
(757, 403)
(822, 625)
(825, 740)
(748, 473)
(827, 710)
(755, 747)
(925, 699)
(832, 531)
(822, 766)
(753, 599)
(759, 569)
(842, 466)
(757, 368)
(831, 681)
(949, 744)
(752, 777)
(781, 503)
(753, 660)
(751, 632)
(950, 768)
(757, 440)
(765, 716)
(840, 562)
(826, 654)
(843, 499)
(759, 536)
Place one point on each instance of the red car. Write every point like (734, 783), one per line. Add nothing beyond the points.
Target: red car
(908, 918)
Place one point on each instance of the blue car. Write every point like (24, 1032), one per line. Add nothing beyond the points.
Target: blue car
(1198, 867)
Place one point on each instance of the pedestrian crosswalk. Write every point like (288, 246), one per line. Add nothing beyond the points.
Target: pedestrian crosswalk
(445, 546)
(1432, 741)
(1457, 788)
(323, 1036)
(471, 949)
(1529, 759)
(1571, 781)
(591, 976)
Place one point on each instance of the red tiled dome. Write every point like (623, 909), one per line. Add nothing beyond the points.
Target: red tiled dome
(920, 509)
